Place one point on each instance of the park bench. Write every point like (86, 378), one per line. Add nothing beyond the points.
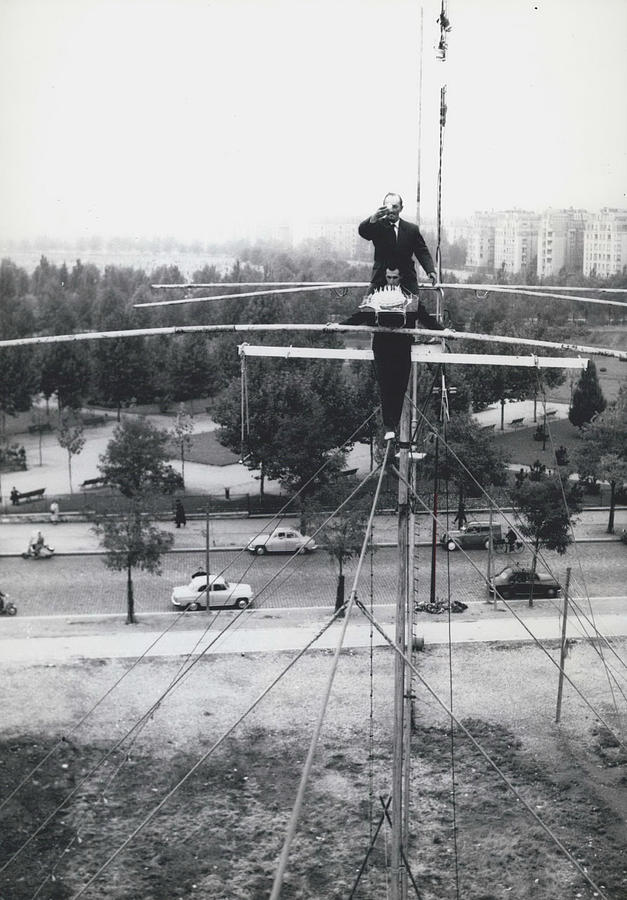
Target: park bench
(93, 482)
(348, 473)
(517, 423)
(551, 412)
(488, 427)
(18, 496)
(44, 426)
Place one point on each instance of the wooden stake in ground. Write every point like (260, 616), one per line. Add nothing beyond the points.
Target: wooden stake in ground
(563, 649)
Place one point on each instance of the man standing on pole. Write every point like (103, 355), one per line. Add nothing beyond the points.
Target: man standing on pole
(393, 290)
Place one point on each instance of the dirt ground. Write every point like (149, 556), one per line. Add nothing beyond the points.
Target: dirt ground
(219, 835)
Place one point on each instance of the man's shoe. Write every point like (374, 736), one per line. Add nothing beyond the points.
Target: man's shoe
(389, 435)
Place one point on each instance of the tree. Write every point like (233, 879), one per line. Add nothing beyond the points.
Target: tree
(121, 370)
(297, 418)
(182, 431)
(135, 461)
(604, 451)
(343, 535)
(71, 437)
(132, 542)
(547, 519)
(588, 399)
(472, 456)
(65, 372)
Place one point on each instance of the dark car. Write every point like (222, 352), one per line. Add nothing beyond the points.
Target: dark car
(514, 581)
(475, 536)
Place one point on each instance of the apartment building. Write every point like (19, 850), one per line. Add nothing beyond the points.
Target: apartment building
(515, 240)
(605, 243)
(480, 241)
(560, 241)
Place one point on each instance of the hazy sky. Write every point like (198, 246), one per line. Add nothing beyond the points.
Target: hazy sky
(199, 118)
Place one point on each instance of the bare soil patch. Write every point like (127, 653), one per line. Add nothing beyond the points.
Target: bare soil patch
(220, 835)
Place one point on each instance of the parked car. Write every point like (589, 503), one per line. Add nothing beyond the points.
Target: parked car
(193, 596)
(475, 535)
(282, 540)
(514, 581)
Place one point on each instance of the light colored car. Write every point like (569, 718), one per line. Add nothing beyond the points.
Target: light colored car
(514, 581)
(281, 540)
(193, 596)
(475, 535)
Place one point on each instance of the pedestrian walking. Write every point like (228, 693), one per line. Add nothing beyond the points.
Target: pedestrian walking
(179, 514)
(54, 512)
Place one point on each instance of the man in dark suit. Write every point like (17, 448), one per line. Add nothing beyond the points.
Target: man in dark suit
(396, 242)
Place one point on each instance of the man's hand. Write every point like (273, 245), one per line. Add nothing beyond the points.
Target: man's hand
(379, 214)
(433, 278)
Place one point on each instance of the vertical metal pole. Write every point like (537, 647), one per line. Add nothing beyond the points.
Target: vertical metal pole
(490, 551)
(408, 717)
(564, 644)
(418, 184)
(399, 871)
(207, 556)
(434, 526)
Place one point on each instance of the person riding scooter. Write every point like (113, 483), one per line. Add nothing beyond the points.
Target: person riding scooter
(7, 608)
(37, 546)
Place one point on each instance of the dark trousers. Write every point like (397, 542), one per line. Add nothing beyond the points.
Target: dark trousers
(392, 355)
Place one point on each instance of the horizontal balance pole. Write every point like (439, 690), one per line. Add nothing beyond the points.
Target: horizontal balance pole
(419, 353)
(329, 328)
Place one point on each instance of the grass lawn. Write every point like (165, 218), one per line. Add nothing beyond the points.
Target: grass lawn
(206, 449)
(219, 834)
(522, 448)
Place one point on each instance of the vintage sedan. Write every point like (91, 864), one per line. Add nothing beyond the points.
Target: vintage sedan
(193, 596)
(281, 540)
(475, 536)
(514, 581)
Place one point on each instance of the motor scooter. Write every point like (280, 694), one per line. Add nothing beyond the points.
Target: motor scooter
(6, 607)
(43, 552)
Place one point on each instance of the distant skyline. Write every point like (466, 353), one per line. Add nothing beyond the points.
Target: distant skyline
(205, 119)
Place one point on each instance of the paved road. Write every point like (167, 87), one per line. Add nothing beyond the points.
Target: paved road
(72, 585)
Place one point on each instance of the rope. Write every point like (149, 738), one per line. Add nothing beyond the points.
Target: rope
(182, 674)
(531, 634)
(373, 839)
(84, 718)
(291, 830)
(493, 504)
(174, 622)
(540, 384)
(444, 418)
(148, 818)
(156, 705)
(485, 755)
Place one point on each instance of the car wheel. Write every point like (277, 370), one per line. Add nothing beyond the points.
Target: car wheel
(260, 550)
(192, 607)
(241, 603)
(451, 545)
(551, 592)
(11, 610)
(486, 546)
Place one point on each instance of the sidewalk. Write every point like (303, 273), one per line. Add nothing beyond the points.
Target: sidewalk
(129, 644)
(233, 533)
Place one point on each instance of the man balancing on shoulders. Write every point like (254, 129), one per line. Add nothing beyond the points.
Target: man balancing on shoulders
(392, 301)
